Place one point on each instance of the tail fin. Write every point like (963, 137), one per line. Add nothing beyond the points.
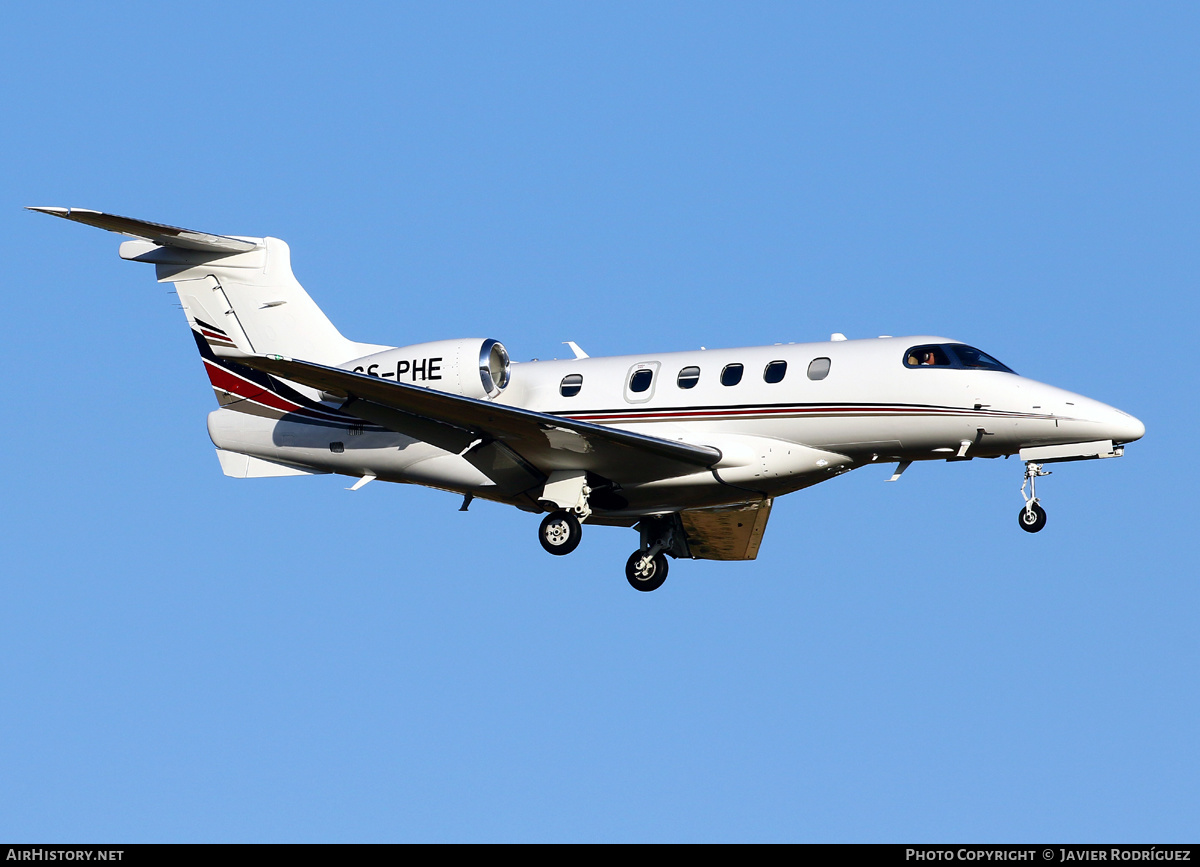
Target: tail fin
(239, 293)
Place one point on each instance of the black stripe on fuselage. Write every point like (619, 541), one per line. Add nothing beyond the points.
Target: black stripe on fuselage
(212, 328)
(322, 415)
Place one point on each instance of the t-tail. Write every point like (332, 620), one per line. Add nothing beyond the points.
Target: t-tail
(240, 298)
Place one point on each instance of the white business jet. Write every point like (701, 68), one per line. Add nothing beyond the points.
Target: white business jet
(690, 448)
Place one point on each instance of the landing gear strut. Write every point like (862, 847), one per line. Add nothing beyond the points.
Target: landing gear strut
(646, 568)
(566, 493)
(1032, 517)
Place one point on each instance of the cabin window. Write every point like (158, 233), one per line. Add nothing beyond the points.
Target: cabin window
(570, 385)
(688, 377)
(732, 374)
(337, 448)
(818, 368)
(775, 371)
(640, 381)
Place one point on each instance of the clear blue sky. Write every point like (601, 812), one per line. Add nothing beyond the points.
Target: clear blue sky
(189, 657)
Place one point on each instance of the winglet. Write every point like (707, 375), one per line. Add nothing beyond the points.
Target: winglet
(164, 236)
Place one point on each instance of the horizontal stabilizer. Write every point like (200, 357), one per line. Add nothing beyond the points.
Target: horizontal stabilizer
(164, 236)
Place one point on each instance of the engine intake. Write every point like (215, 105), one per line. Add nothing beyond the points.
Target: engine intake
(473, 367)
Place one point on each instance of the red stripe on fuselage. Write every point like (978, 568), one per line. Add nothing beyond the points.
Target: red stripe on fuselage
(228, 381)
(234, 384)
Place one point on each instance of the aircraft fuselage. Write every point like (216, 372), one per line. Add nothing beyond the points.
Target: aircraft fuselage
(867, 406)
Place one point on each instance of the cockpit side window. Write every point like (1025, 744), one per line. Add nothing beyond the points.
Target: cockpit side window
(955, 355)
(927, 356)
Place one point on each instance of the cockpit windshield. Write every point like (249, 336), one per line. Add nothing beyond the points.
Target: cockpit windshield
(955, 355)
(969, 356)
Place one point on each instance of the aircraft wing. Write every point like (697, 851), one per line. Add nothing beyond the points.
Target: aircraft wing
(516, 448)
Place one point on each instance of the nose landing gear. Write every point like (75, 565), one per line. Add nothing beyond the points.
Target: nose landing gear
(1032, 517)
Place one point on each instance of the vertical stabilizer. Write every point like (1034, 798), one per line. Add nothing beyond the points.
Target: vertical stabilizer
(239, 293)
(252, 299)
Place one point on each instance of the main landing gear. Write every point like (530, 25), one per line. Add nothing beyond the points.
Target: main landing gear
(646, 572)
(646, 569)
(560, 532)
(1032, 517)
(566, 494)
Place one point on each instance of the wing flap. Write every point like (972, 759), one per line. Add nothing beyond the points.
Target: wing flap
(728, 533)
(535, 444)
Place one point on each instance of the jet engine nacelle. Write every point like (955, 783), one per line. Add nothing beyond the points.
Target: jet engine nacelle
(472, 367)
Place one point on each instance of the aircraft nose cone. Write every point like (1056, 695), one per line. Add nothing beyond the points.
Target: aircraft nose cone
(1120, 427)
(1126, 428)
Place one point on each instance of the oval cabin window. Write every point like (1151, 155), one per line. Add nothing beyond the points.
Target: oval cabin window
(818, 368)
(732, 374)
(688, 377)
(570, 385)
(640, 381)
(775, 371)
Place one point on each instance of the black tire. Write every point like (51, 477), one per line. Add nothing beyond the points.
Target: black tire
(1032, 519)
(560, 532)
(655, 575)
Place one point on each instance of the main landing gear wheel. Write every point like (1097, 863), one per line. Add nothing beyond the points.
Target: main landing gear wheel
(646, 573)
(560, 532)
(1032, 518)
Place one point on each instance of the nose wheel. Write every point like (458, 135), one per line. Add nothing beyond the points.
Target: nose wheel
(1032, 517)
(560, 532)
